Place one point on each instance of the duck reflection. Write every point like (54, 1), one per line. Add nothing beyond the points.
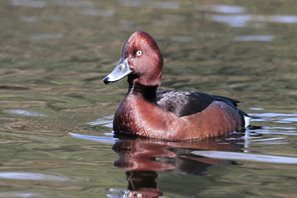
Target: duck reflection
(143, 159)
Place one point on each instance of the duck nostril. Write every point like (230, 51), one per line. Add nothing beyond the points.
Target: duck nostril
(121, 67)
(106, 80)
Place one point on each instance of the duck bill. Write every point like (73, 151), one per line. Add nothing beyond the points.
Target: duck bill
(120, 71)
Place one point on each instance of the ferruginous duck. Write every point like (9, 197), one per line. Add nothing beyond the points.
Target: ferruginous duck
(167, 115)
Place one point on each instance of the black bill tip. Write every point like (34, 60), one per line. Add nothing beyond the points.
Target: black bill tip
(106, 80)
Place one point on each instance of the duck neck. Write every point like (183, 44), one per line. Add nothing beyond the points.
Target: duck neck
(149, 93)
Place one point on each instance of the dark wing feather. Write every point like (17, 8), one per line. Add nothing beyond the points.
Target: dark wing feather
(183, 103)
(229, 101)
(187, 103)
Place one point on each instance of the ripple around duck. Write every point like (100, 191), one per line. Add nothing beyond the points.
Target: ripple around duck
(274, 131)
(247, 157)
(101, 139)
(105, 121)
(284, 118)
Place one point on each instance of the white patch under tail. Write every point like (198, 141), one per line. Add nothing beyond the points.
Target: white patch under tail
(247, 121)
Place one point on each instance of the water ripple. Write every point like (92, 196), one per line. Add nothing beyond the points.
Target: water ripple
(32, 176)
(105, 121)
(243, 20)
(247, 38)
(46, 36)
(97, 12)
(29, 3)
(101, 139)
(225, 9)
(282, 118)
(23, 112)
(157, 5)
(247, 157)
(74, 3)
(19, 194)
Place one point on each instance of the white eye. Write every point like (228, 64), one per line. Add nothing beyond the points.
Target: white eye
(139, 53)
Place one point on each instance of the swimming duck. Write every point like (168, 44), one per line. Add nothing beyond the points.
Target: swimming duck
(167, 115)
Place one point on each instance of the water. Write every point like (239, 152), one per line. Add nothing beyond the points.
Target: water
(55, 113)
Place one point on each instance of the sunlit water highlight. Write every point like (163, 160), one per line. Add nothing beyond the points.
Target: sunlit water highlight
(32, 176)
(247, 157)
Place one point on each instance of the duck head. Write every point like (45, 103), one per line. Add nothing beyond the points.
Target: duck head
(141, 61)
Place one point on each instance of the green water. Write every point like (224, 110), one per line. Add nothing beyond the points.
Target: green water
(53, 55)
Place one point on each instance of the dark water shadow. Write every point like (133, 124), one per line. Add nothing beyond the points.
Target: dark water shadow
(144, 159)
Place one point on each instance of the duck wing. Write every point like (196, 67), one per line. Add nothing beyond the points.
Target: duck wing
(187, 103)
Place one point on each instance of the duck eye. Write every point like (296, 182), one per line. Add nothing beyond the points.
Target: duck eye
(139, 53)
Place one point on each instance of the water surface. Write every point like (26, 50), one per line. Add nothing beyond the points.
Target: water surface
(55, 113)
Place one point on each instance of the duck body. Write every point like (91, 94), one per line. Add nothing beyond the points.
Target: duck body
(167, 115)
